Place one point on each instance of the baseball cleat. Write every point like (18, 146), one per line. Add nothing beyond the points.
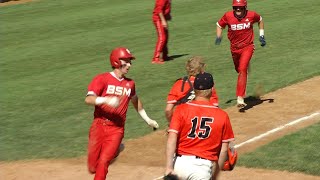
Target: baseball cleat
(157, 61)
(240, 102)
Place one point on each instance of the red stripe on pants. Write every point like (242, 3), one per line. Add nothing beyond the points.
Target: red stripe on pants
(104, 141)
(161, 46)
(241, 60)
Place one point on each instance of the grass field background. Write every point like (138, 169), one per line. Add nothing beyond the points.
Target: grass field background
(50, 50)
(294, 152)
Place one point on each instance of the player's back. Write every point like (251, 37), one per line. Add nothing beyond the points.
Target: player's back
(201, 129)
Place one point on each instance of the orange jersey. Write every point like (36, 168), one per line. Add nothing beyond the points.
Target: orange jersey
(176, 94)
(201, 129)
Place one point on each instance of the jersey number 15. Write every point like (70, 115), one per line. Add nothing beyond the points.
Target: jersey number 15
(203, 130)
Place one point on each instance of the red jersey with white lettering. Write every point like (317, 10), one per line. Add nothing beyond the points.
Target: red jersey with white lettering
(164, 7)
(176, 94)
(201, 129)
(107, 84)
(240, 32)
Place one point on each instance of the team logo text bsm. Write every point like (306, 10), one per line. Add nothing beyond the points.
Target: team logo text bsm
(242, 26)
(118, 90)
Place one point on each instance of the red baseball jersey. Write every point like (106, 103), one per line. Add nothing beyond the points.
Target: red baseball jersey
(240, 32)
(201, 129)
(162, 6)
(175, 93)
(107, 84)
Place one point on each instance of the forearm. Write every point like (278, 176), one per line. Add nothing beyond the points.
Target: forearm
(137, 104)
(162, 18)
(222, 158)
(168, 116)
(219, 32)
(261, 28)
(90, 100)
(223, 155)
(169, 112)
(171, 149)
(144, 116)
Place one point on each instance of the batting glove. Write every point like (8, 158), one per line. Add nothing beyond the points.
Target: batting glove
(218, 40)
(148, 120)
(153, 124)
(263, 41)
(111, 101)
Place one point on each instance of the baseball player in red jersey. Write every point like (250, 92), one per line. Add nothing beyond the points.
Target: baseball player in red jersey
(161, 16)
(240, 33)
(110, 93)
(181, 92)
(199, 135)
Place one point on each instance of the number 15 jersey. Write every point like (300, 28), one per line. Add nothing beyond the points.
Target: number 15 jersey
(201, 129)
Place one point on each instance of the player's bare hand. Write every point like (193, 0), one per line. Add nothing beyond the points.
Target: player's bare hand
(165, 24)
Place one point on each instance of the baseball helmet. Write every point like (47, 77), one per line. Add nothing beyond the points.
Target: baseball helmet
(119, 53)
(239, 3)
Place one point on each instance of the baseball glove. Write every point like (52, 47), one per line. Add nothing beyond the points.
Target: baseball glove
(231, 161)
(170, 177)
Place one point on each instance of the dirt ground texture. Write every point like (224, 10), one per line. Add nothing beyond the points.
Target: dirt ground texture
(144, 158)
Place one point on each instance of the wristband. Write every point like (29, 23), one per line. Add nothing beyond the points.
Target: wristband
(144, 115)
(261, 32)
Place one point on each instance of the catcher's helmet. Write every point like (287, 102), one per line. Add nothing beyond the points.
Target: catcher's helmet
(239, 3)
(119, 53)
(230, 163)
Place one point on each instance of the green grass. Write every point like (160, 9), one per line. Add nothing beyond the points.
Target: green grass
(50, 50)
(295, 152)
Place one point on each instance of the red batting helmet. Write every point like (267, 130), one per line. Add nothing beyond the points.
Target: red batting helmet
(119, 53)
(239, 3)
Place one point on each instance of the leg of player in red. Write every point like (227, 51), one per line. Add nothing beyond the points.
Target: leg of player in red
(104, 142)
(161, 16)
(161, 46)
(241, 60)
(165, 50)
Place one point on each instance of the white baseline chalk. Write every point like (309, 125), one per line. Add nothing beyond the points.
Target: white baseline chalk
(277, 129)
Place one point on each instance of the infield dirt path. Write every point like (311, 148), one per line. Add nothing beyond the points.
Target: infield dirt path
(143, 158)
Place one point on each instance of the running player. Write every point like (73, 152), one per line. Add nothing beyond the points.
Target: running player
(111, 93)
(240, 33)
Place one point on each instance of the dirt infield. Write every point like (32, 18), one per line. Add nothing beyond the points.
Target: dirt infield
(143, 158)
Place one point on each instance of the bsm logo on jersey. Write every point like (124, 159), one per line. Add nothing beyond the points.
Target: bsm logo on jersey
(118, 90)
(242, 26)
